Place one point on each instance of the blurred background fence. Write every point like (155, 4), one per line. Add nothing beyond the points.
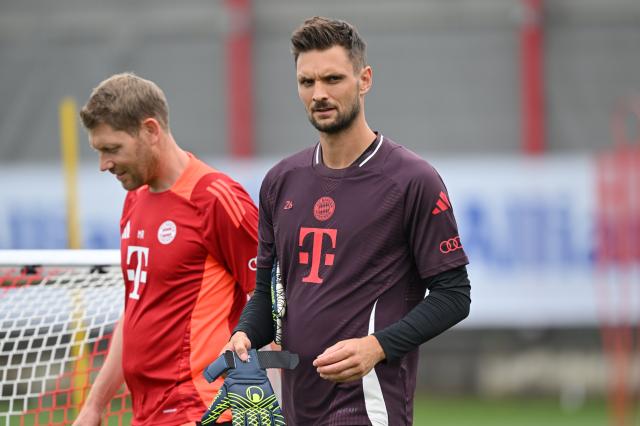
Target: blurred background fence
(528, 109)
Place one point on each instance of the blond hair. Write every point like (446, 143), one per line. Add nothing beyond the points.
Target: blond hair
(123, 101)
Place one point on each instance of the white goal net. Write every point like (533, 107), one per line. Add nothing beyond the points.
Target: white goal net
(58, 310)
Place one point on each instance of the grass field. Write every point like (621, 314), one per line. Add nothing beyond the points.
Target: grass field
(474, 412)
(46, 418)
(516, 412)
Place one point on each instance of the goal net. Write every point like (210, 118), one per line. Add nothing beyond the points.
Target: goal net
(58, 310)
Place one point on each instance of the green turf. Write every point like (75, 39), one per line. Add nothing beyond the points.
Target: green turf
(515, 412)
(430, 410)
(47, 417)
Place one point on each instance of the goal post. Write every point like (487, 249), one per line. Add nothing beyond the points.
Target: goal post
(58, 310)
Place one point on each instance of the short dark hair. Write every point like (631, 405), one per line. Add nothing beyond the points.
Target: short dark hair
(123, 101)
(320, 33)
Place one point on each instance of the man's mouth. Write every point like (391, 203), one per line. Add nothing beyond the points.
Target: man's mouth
(322, 110)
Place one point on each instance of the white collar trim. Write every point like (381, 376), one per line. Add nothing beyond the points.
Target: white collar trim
(373, 153)
(369, 157)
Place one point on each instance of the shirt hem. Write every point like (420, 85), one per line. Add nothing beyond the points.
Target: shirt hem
(461, 261)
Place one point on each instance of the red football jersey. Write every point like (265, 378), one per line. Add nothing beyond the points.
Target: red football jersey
(188, 259)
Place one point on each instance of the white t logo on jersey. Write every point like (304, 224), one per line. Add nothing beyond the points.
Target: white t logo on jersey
(137, 275)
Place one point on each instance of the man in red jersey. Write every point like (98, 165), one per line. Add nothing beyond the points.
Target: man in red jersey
(188, 246)
(361, 227)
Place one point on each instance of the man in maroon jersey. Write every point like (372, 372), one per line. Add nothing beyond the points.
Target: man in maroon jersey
(188, 246)
(361, 228)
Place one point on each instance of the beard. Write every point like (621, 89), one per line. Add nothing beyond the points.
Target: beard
(343, 120)
(131, 180)
(138, 174)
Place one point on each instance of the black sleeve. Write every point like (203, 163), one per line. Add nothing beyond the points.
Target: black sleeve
(256, 320)
(447, 304)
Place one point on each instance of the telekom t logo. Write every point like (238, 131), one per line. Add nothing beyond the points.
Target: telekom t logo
(137, 275)
(316, 251)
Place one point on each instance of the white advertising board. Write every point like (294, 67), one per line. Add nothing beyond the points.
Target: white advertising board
(527, 224)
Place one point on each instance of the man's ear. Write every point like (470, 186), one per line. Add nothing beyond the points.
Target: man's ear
(366, 79)
(151, 128)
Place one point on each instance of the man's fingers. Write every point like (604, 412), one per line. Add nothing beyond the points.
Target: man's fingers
(243, 352)
(345, 370)
(240, 344)
(345, 361)
(347, 375)
(332, 354)
(332, 348)
(337, 367)
(227, 347)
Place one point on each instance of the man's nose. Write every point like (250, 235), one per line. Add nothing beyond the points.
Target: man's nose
(319, 92)
(105, 163)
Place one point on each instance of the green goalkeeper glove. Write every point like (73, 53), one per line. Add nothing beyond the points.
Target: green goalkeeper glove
(246, 389)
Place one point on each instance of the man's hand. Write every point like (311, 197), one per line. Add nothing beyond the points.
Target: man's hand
(240, 344)
(349, 360)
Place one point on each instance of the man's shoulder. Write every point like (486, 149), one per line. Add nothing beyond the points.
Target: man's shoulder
(204, 186)
(216, 186)
(299, 160)
(403, 165)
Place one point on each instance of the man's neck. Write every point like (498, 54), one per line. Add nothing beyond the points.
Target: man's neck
(340, 150)
(171, 164)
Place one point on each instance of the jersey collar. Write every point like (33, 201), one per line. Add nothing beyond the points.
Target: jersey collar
(367, 155)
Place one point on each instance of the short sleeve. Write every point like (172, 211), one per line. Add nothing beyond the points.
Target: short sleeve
(430, 224)
(230, 230)
(266, 236)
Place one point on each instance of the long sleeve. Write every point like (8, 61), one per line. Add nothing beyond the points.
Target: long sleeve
(447, 303)
(256, 320)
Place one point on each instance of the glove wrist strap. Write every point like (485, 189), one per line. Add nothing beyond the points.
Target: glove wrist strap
(277, 359)
(265, 359)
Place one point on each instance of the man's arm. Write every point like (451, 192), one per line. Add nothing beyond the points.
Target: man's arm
(255, 328)
(447, 304)
(109, 380)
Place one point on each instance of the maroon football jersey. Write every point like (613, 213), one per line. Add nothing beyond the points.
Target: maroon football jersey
(354, 247)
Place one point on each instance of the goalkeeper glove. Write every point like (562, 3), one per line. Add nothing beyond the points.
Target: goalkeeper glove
(278, 301)
(246, 389)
